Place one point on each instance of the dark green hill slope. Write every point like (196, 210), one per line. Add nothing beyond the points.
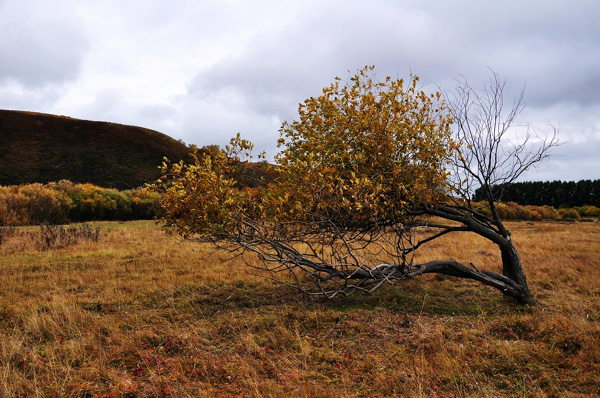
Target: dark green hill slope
(37, 147)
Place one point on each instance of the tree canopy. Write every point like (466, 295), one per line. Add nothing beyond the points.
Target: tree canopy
(364, 153)
(361, 182)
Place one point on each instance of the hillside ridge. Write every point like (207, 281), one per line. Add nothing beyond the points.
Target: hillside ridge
(40, 147)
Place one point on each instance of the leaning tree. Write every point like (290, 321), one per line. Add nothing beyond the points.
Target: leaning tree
(370, 173)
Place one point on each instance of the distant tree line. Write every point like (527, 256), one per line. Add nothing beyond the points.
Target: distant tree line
(550, 193)
(64, 202)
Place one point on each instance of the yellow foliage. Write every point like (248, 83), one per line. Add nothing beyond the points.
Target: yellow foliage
(359, 156)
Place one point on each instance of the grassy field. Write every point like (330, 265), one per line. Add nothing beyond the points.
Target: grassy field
(140, 313)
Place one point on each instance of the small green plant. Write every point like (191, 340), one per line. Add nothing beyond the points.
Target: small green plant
(569, 214)
(588, 211)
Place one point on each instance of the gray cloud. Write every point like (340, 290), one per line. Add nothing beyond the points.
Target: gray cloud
(40, 43)
(572, 161)
(13, 96)
(552, 48)
(277, 70)
(547, 46)
(202, 70)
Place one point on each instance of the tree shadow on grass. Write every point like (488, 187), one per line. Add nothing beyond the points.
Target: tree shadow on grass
(430, 295)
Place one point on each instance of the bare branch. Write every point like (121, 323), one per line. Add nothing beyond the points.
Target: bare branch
(488, 155)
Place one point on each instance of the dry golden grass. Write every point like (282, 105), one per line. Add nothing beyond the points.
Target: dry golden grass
(143, 314)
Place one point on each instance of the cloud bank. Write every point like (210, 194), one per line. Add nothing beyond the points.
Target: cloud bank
(201, 70)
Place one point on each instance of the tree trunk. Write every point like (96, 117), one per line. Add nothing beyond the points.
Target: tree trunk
(512, 268)
(511, 262)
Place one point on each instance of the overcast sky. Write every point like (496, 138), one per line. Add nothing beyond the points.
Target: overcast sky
(201, 71)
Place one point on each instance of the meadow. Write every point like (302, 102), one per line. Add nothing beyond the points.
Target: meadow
(139, 313)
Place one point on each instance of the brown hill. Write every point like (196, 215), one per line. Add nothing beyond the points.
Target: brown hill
(36, 147)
